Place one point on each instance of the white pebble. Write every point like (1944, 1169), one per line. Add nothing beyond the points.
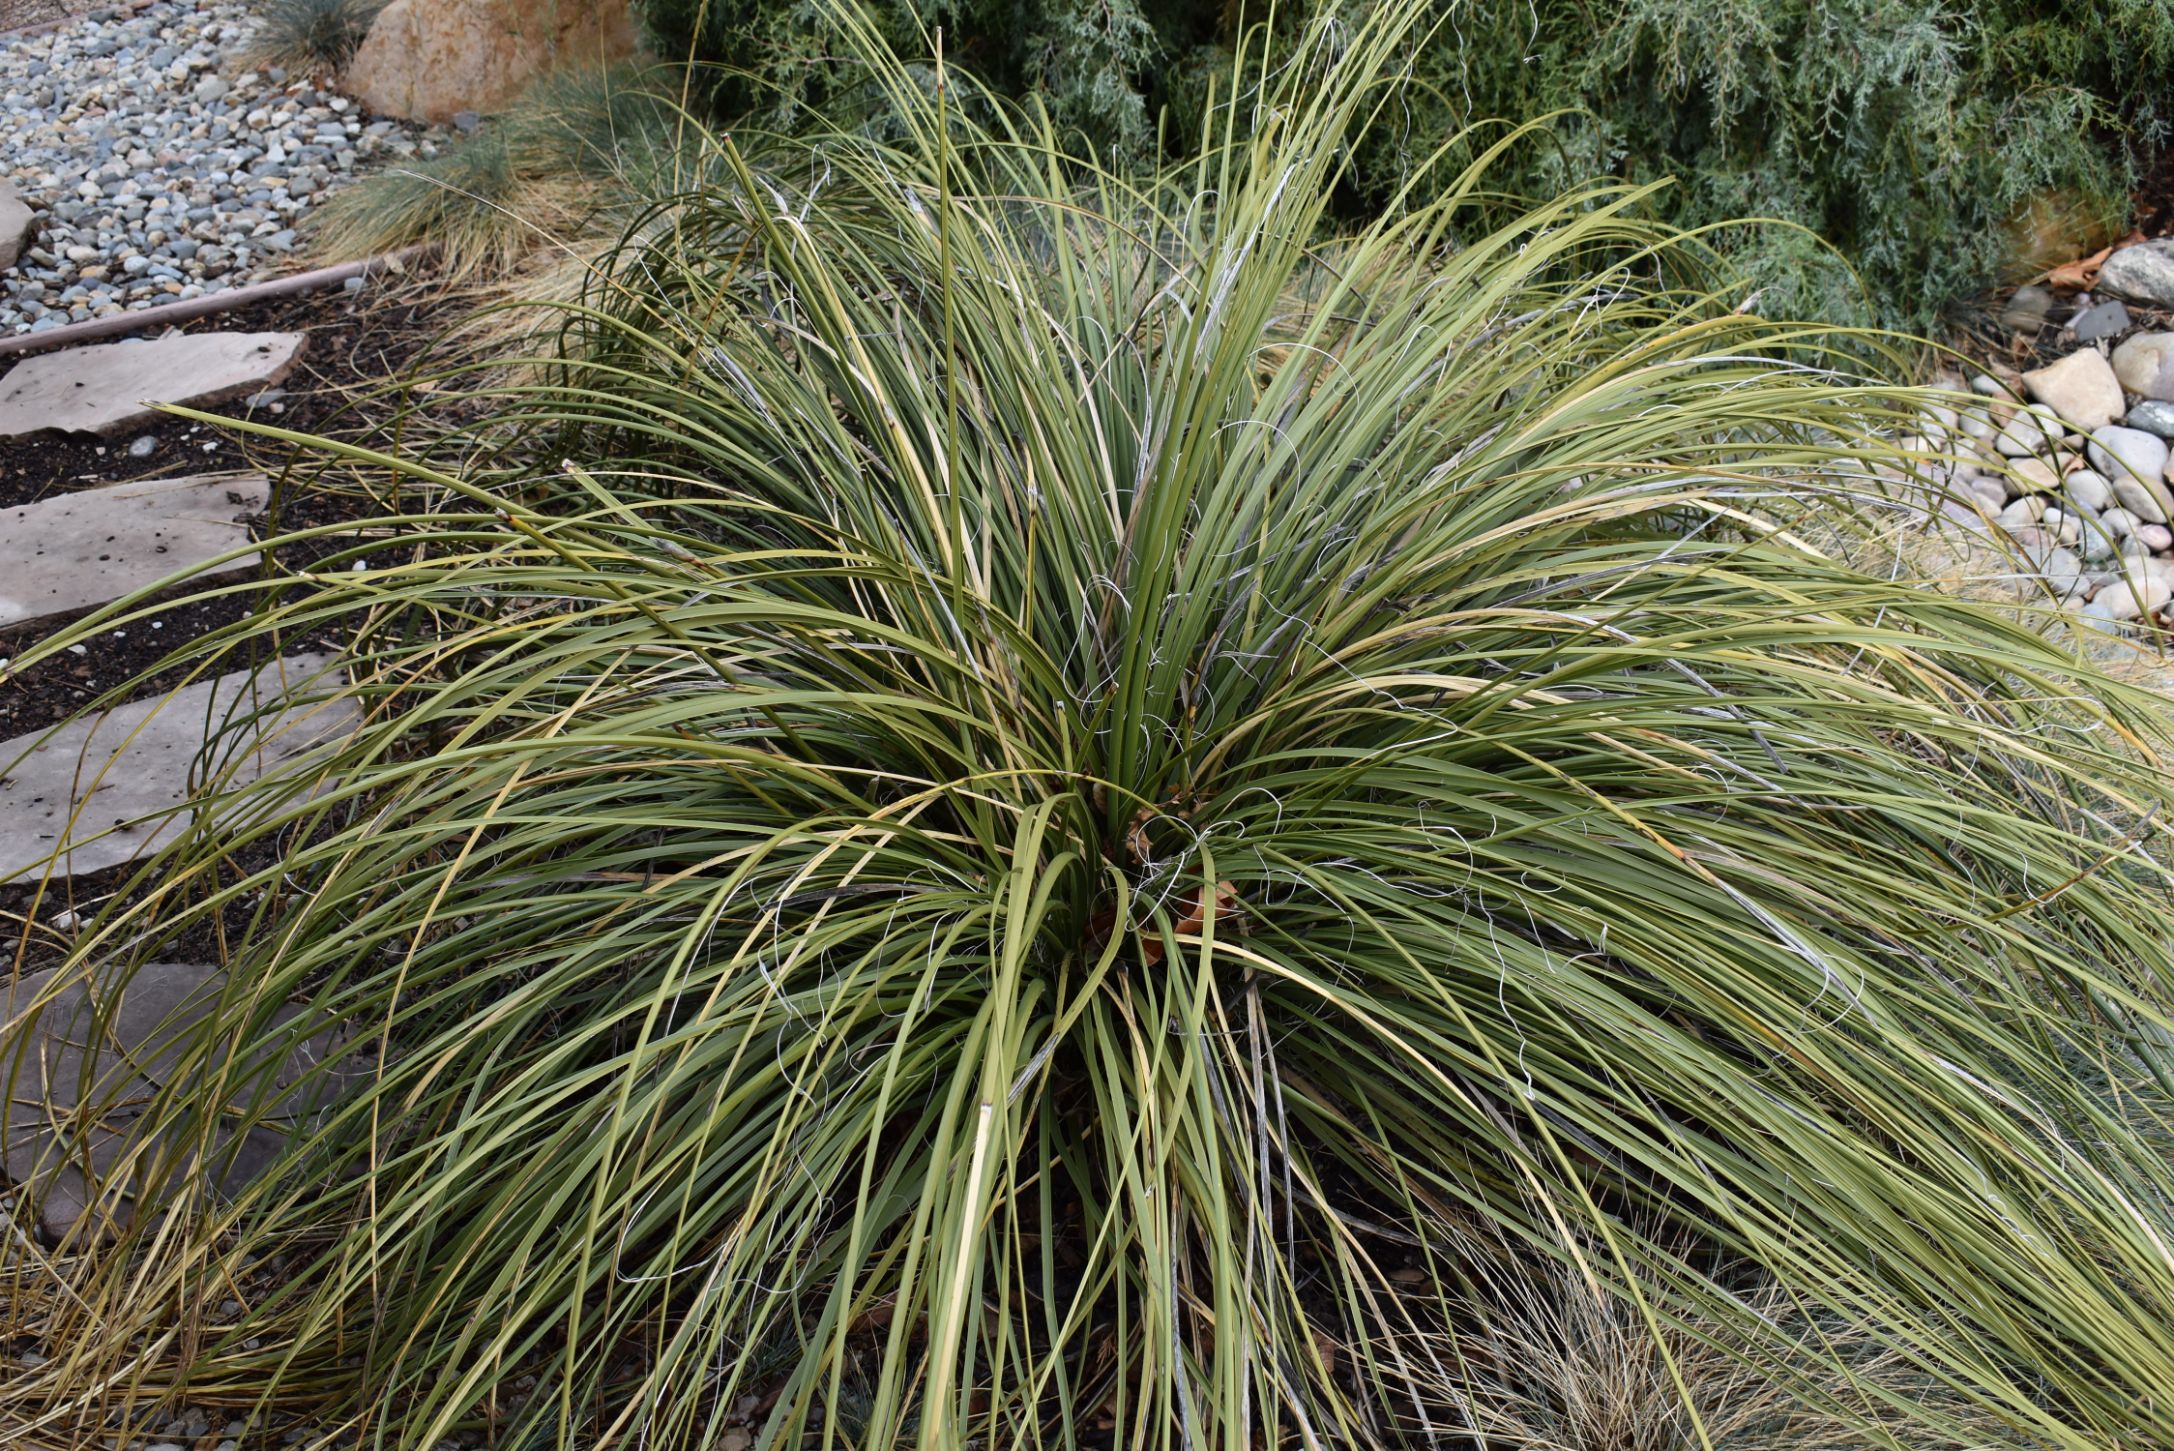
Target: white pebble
(2088, 489)
(2138, 597)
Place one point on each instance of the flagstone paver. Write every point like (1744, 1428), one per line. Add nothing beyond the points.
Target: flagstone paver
(82, 1058)
(124, 777)
(104, 388)
(72, 552)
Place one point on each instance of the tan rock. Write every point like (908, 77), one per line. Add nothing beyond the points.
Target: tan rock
(108, 788)
(2145, 365)
(72, 551)
(433, 59)
(85, 1053)
(18, 224)
(2146, 596)
(2147, 499)
(2081, 388)
(2034, 476)
(108, 387)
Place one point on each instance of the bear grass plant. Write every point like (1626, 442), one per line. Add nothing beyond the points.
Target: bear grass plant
(1004, 808)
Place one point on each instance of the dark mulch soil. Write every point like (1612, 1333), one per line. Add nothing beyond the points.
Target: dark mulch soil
(2154, 215)
(1981, 334)
(358, 341)
(355, 341)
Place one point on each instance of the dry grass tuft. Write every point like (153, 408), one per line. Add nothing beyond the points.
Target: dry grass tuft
(310, 36)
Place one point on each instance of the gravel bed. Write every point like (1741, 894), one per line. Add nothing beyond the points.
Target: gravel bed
(160, 168)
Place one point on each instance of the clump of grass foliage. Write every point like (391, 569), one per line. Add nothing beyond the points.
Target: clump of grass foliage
(577, 153)
(1910, 134)
(1546, 1359)
(1011, 808)
(310, 36)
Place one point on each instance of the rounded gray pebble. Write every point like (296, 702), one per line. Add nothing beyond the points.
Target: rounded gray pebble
(2154, 417)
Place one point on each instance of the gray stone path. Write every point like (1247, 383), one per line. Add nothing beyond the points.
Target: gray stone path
(83, 1050)
(103, 388)
(80, 1059)
(72, 552)
(123, 778)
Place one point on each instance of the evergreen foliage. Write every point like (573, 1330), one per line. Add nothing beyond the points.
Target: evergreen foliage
(1924, 139)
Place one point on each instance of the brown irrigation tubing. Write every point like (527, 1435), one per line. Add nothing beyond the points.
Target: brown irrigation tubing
(41, 27)
(122, 323)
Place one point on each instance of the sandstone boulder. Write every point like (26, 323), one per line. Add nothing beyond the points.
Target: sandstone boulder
(431, 60)
(18, 224)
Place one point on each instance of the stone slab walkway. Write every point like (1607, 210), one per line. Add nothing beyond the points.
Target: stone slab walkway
(106, 388)
(76, 551)
(100, 791)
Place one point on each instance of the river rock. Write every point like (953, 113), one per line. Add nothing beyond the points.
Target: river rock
(2107, 320)
(2088, 490)
(2145, 365)
(2147, 499)
(135, 129)
(2063, 571)
(2141, 273)
(2026, 311)
(2136, 598)
(2117, 451)
(2033, 476)
(431, 60)
(2021, 436)
(2081, 388)
(2095, 616)
(2152, 417)
(2021, 513)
